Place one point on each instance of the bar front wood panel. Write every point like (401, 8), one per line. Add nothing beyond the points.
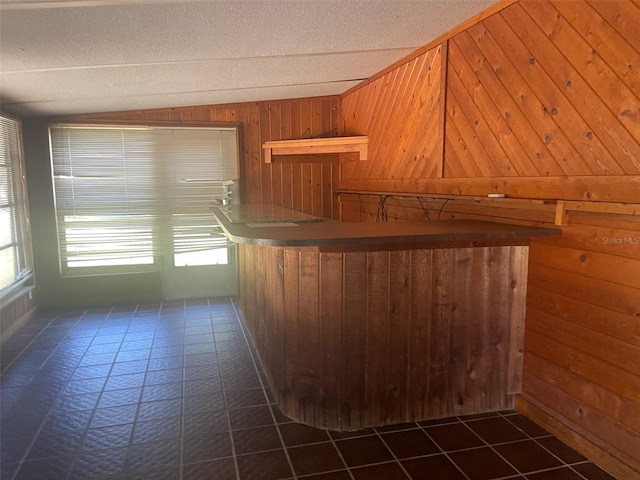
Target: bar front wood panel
(354, 340)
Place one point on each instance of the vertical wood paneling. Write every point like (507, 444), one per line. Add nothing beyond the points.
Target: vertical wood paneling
(353, 325)
(354, 340)
(376, 334)
(331, 333)
(398, 333)
(420, 318)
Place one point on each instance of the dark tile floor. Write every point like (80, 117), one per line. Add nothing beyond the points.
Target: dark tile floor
(174, 391)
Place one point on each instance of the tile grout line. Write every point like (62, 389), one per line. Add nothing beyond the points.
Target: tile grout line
(502, 443)
(392, 452)
(535, 439)
(344, 462)
(444, 452)
(264, 392)
(23, 459)
(224, 399)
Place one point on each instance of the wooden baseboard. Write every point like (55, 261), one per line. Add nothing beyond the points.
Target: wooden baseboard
(569, 434)
(17, 325)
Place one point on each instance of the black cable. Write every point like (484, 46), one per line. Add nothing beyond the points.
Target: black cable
(442, 207)
(381, 214)
(424, 209)
(344, 123)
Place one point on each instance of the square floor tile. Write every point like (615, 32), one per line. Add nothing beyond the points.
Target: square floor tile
(107, 437)
(563, 473)
(295, 434)
(53, 468)
(250, 417)
(561, 450)
(455, 436)
(154, 430)
(98, 463)
(431, 468)
(363, 450)
(224, 469)
(206, 447)
(410, 443)
(527, 426)
(147, 456)
(106, 417)
(205, 423)
(527, 456)
(159, 409)
(388, 471)
(340, 475)
(256, 439)
(496, 430)
(264, 466)
(481, 464)
(55, 445)
(316, 458)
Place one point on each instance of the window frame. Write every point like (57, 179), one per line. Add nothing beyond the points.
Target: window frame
(158, 263)
(18, 207)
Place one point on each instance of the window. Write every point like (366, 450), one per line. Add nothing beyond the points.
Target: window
(127, 195)
(15, 242)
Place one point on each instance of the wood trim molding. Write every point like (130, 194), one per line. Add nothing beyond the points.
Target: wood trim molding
(581, 188)
(313, 146)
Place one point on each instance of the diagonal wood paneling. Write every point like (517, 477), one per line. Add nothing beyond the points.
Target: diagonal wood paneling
(400, 112)
(527, 92)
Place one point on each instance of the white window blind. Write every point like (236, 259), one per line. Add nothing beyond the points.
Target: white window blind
(15, 249)
(127, 195)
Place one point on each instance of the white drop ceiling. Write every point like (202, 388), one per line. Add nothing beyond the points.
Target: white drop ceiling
(60, 57)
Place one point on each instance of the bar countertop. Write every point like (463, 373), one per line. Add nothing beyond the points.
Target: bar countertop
(287, 231)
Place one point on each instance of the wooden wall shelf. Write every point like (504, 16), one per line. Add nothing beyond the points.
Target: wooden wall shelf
(313, 146)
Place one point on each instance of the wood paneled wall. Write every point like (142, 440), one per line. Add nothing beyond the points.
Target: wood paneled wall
(541, 102)
(400, 112)
(540, 89)
(300, 183)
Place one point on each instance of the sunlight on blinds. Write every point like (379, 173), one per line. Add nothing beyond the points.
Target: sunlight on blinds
(125, 196)
(15, 246)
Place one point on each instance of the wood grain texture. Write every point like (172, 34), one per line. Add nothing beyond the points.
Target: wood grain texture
(541, 88)
(400, 112)
(582, 329)
(355, 340)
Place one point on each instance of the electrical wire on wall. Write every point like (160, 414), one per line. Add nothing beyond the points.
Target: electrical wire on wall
(442, 207)
(381, 214)
(424, 209)
(344, 122)
(334, 132)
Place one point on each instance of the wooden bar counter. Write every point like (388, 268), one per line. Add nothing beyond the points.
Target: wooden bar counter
(366, 324)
